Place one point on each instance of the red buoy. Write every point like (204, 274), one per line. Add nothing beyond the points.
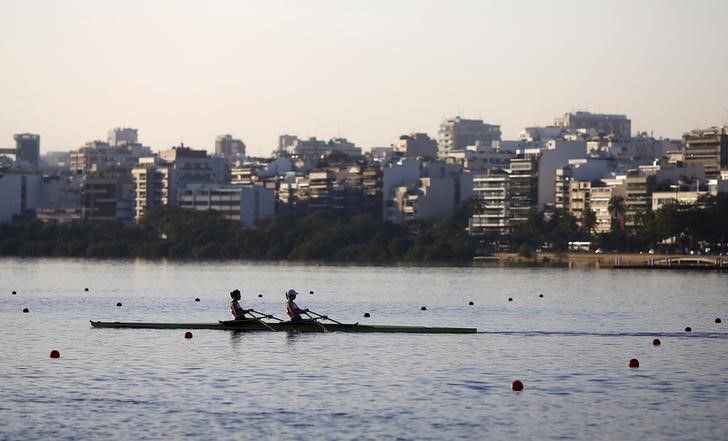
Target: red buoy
(656, 342)
(517, 385)
(510, 299)
(718, 320)
(188, 334)
(688, 329)
(634, 363)
(55, 354)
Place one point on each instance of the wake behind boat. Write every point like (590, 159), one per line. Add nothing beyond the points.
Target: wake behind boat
(287, 326)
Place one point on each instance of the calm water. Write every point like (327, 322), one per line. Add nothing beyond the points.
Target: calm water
(570, 348)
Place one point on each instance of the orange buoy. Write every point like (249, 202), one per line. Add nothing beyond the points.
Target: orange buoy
(366, 314)
(118, 304)
(188, 334)
(310, 292)
(656, 342)
(14, 292)
(471, 303)
(260, 296)
(517, 385)
(634, 363)
(510, 299)
(540, 295)
(85, 289)
(424, 308)
(197, 299)
(717, 320)
(55, 354)
(688, 329)
(26, 310)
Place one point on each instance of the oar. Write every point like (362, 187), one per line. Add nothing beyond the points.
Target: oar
(326, 317)
(259, 319)
(264, 315)
(315, 320)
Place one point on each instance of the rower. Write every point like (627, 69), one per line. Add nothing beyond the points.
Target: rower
(235, 309)
(293, 311)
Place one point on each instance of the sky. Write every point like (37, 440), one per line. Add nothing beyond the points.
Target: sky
(187, 71)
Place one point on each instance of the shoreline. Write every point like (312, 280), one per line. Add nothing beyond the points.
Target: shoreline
(611, 260)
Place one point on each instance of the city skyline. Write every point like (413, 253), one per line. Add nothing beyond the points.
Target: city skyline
(368, 72)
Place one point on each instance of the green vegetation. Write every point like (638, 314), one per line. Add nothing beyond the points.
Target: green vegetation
(171, 232)
(673, 228)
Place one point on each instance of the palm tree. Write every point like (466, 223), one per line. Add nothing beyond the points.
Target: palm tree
(617, 209)
(589, 220)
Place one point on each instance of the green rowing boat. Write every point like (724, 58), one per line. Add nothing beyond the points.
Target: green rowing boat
(303, 326)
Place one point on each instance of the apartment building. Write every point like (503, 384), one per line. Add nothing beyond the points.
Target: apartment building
(242, 203)
(709, 148)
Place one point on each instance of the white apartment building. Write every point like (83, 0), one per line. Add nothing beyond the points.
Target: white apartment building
(242, 203)
(491, 195)
(457, 133)
(427, 198)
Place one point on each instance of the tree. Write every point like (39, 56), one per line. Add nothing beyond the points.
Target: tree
(589, 221)
(617, 209)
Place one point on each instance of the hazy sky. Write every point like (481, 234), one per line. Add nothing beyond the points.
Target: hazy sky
(368, 70)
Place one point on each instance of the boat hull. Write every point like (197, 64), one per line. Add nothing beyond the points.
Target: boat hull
(256, 325)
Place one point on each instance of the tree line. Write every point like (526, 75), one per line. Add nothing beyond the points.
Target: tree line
(675, 228)
(175, 233)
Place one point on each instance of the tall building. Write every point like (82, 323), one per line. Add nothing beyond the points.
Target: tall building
(490, 193)
(122, 135)
(618, 126)
(416, 144)
(27, 148)
(158, 181)
(456, 134)
(229, 147)
(709, 148)
(522, 189)
(242, 203)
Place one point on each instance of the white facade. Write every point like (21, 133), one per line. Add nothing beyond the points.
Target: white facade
(394, 175)
(458, 133)
(428, 198)
(242, 203)
(122, 135)
(556, 154)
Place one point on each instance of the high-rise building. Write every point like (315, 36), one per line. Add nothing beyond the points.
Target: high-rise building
(618, 126)
(456, 134)
(27, 148)
(229, 147)
(158, 181)
(122, 135)
(709, 148)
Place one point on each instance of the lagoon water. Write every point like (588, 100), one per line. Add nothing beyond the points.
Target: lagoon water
(570, 348)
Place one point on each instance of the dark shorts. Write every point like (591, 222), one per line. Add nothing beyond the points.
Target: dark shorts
(297, 318)
(241, 317)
